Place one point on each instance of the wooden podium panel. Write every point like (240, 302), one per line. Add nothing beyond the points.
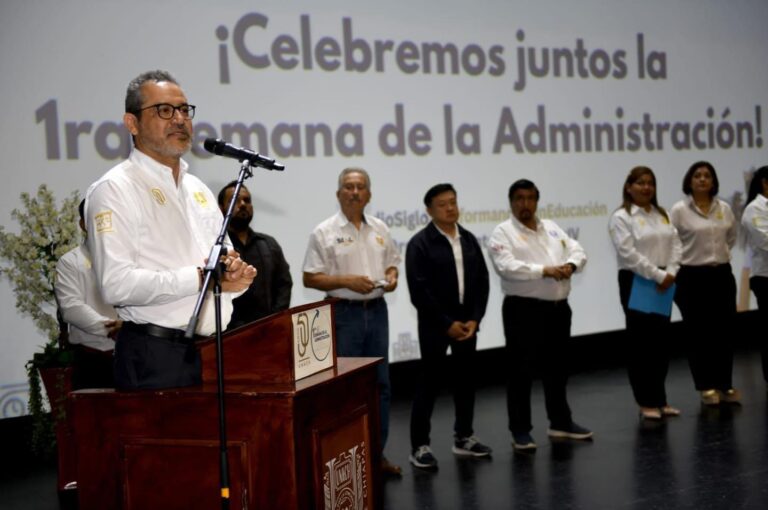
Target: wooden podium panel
(159, 449)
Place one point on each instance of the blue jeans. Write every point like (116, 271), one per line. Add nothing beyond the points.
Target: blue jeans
(362, 330)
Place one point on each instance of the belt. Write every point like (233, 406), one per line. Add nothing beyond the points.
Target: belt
(543, 302)
(171, 334)
(363, 303)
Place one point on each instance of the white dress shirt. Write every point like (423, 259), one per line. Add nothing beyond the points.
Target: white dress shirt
(80, 302)
(520, 254)
(458, 257)
(148, 236)
(645, 242)
(337, 247)
(707, 239)
(755, 221)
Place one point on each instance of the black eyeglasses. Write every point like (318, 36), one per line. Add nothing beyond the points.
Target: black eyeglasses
(167, 111)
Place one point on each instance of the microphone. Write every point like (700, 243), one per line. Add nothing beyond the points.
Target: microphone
(222, 148)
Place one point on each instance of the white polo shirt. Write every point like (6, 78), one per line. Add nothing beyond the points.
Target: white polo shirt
(147, 237)
(755, 221)
(645, 242)
(80, 302)
(707, 239)
(337, 247)
(519, 255)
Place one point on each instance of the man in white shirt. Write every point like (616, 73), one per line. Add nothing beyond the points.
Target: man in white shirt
(535, 259)
(93, 324)
(150, 228)
(351, 256)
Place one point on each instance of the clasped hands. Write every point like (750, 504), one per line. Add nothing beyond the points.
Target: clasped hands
(563, 272)
(237, 275)
(462, 330)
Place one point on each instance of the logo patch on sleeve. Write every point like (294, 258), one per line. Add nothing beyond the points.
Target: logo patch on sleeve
(104, 222)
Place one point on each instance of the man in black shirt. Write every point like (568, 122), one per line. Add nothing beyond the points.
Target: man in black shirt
(270, 292)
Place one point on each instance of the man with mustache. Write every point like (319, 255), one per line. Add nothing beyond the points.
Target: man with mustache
(271, 291)
(150, 227)
(351, 256)
(535, 259)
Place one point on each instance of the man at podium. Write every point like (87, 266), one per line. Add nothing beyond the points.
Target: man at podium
(351, 256)
(150, 227)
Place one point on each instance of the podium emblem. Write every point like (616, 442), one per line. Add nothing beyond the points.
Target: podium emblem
(312, 341)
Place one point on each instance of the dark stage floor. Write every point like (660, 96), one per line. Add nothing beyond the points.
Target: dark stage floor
(708, 458)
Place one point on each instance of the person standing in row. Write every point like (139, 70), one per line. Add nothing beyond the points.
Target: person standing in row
(448, 283)
(93, 324)
(647, 245)
(271, 291)
(706, 289)
(352, 256)
(535, 260)
(755, 222)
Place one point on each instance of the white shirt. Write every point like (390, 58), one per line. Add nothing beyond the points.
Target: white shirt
(148, 236)
(707, 239)
(80, 302)
(520, 254)
(458, 257)
(336, 247)
(645, 242)
(755, 221)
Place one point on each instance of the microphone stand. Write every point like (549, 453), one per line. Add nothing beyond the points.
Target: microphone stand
(214, 271)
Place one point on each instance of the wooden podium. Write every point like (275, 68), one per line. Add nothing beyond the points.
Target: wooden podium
(292, 443)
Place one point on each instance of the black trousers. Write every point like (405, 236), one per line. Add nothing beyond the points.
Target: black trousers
(92, 368)
(647, 349)
(706, 297)
(759, 285)
(149, 362)
(460, 367)
(537, 334)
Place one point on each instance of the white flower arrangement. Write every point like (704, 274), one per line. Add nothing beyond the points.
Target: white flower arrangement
(28, 259)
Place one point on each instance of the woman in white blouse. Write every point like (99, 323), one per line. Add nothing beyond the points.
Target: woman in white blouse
(755, 222)
(646, 245)
(706, 289)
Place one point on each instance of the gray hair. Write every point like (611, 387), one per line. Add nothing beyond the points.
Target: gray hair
(133, 99)
(354, 170)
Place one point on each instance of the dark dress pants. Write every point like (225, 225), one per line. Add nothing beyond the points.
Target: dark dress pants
(706, 297)
(460, 367)
(647, 349)
(148, 362)
(759, 285)
(537, 334)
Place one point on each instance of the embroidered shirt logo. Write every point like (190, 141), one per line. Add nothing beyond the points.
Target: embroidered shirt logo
(380, 240)
(104, 222)
(200, 198)
(158, 195)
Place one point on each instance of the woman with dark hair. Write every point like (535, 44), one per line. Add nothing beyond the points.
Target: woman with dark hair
(706, 289)
(647, 246)
(755, 222)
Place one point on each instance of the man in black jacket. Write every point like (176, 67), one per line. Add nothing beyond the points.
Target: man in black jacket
(448, 282)
(270, 292)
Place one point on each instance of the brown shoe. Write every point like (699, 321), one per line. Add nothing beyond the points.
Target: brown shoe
(670, 411)
(390, 469)
(710, 397)
(731, 396)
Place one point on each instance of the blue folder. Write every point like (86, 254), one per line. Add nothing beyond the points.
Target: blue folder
(647, 299)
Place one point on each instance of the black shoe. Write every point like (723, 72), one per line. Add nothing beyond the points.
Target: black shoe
(470, 447)
(572, 431)
(523, 441)
(422, 458)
